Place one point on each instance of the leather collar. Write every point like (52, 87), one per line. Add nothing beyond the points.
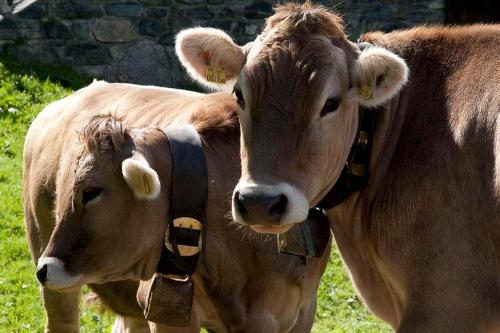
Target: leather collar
(186, 224)
(354, 176)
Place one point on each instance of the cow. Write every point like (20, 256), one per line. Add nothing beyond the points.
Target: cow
(421, 234)
(96, 200)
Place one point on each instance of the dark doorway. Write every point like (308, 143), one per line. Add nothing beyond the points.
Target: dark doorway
(476, 11)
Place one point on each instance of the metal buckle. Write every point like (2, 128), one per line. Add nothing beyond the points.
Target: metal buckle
(185, 223)
(178, 278)
(363, 137)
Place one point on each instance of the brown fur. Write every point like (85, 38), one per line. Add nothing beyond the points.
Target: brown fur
(103, 133)
(306, 19)
(121, 239)
(422, 242)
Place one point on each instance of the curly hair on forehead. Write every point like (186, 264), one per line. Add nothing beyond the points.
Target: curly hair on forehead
(307, 17)
(104, 133)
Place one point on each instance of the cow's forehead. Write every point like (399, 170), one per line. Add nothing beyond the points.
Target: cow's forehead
(294, 71)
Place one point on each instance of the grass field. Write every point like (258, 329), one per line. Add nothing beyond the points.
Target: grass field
(22, 96)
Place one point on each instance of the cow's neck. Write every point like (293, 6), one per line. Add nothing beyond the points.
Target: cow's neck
(350, 220)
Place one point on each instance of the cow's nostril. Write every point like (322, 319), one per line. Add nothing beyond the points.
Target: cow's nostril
(41, 274)
(239, 204)
(279, 208)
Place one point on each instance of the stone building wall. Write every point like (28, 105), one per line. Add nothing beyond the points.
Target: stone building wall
(133, 40)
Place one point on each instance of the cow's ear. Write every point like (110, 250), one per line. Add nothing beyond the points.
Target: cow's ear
(141, 178)
(210, 56)
(378, 75)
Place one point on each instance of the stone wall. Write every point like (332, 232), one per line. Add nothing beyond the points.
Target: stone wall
(133, 40)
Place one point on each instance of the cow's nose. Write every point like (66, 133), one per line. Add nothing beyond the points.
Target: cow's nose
(41, 274)
(260, 208)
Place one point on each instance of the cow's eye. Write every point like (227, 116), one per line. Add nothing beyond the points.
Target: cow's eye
(90, 193)
(239, 96)
(331, 105)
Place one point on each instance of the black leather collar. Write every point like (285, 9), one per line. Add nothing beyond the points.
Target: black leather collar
(189, 190)
(354, 176)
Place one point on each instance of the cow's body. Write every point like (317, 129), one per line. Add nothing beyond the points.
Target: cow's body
(248, 286)
(422, 240)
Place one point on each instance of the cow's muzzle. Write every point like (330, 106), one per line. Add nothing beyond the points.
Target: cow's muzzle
(51, 273)
(268, 208)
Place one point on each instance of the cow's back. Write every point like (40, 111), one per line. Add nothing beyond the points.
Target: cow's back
(56, 129)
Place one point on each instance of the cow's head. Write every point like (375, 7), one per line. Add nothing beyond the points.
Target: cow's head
(298, 85)
(109, 207)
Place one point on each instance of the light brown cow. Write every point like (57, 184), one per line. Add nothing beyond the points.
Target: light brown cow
(422, 240)
(107, 182)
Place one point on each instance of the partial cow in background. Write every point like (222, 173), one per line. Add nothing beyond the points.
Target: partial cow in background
(422, 238)
(108, 178)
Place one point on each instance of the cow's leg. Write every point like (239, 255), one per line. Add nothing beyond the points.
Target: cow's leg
(62, 311)
(305, 320)
(158, 328)
(125, 324)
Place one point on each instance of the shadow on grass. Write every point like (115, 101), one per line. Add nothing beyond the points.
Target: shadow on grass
(65, 76)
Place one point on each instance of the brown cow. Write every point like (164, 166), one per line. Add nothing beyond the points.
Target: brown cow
(422, 239)
(107, 179)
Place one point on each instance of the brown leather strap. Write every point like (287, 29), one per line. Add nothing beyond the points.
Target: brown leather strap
(188, 201)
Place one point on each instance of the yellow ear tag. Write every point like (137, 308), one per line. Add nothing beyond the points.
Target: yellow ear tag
(365, 92)
(146, 185)
(215, 74)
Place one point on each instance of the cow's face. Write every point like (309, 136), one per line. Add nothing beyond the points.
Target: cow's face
(299, 85)
(110, 212)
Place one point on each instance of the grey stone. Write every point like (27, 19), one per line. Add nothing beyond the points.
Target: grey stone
(190, 2)
(227, 13)
(57, 30)
(126, 9)
(157, 2)
(151, 27)
(8, 23)
(87, 54)
(35, 11)
(33, 51)
(438, 5)
(93, 71)
(222, 24)
(157, 13)
(72, 9)
(117, 51)
(167, 39)
(199, 13)
(145, 63)
(258, 10)
(216, 2)
(81, 30)
(11, 35)
(4, 45)
(114, 31)
(28, 24)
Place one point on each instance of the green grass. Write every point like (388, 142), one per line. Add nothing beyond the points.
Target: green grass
(22, 95)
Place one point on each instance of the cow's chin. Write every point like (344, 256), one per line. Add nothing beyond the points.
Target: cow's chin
(271, 229)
